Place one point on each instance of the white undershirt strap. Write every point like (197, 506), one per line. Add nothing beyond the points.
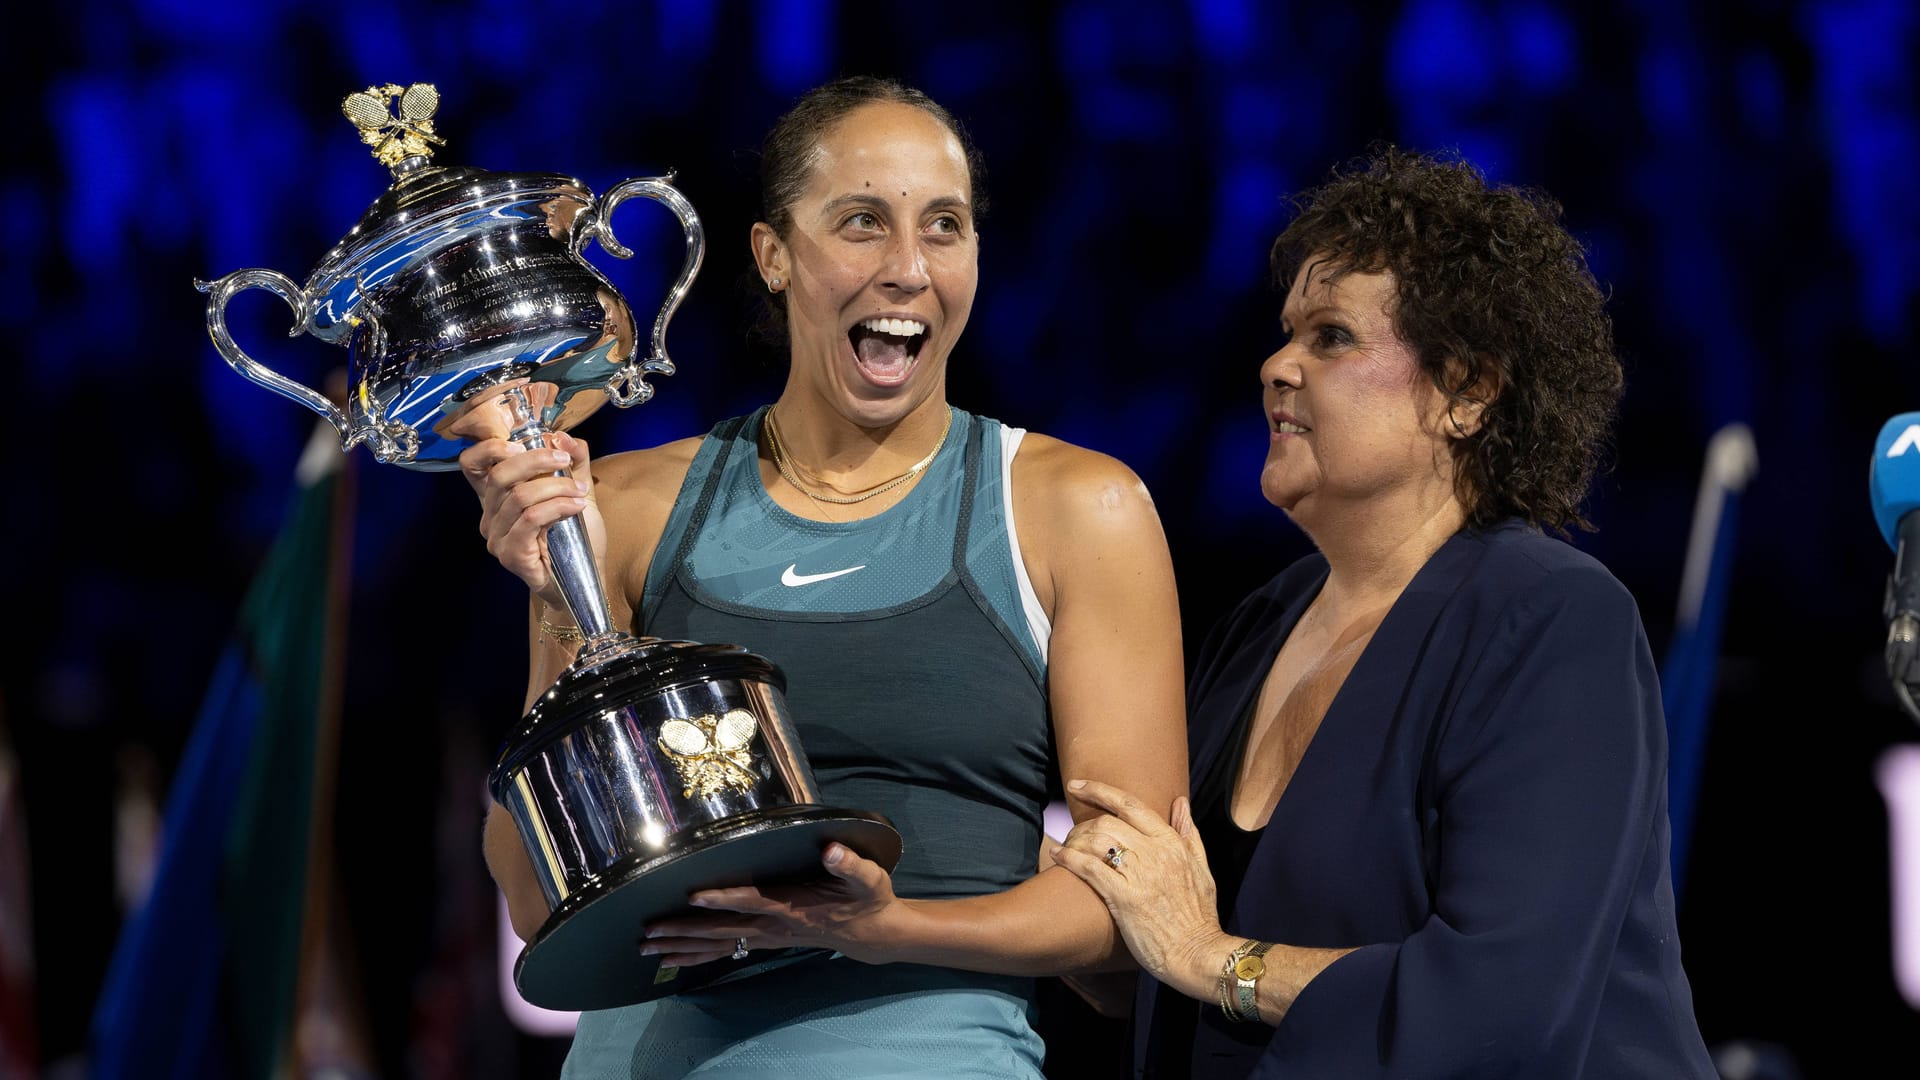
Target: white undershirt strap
(1037, 622)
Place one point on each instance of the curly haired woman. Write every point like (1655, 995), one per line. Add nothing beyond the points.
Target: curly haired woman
(1428, 829)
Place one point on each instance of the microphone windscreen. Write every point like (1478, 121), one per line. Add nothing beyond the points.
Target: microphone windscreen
(1894, 479)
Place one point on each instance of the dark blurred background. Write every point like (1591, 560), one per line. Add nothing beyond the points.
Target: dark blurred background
(1744, 176)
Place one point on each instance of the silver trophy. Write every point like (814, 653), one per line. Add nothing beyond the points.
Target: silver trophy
(652, 768)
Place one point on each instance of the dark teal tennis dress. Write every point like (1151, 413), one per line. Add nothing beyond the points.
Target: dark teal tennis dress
(915, 657)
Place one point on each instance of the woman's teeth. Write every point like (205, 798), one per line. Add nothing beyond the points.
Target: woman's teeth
(896, 327)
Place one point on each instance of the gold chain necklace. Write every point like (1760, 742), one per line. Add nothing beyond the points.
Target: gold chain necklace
(782, 463)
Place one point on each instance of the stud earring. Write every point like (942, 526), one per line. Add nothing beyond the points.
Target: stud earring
(774, 285)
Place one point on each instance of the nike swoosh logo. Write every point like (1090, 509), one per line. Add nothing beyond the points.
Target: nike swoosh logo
(788, 577)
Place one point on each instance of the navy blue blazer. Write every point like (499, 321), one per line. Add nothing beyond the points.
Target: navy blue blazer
(1483, 812)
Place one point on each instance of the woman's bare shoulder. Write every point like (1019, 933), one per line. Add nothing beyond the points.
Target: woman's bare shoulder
(654, 473)
(1080, 512)
(1073, 478)
(636, 490)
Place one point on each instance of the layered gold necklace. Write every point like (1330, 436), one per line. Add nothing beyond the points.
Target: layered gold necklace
(783, 463)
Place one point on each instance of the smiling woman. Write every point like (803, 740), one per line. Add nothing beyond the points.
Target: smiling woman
(949, 597)
(877, 269)
(1428, 828)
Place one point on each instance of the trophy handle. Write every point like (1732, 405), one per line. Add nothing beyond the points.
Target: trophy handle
(630, 386)
(220, 291)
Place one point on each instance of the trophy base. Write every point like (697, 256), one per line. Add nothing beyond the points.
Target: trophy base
(587, 955)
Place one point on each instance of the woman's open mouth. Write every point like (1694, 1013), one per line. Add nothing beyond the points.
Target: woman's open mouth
(885, 349)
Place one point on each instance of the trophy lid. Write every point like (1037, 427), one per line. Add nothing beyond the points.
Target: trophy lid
(426, 205)
(457, 281)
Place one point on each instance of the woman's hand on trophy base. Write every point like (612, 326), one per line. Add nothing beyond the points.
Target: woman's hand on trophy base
(844, 911)
(522, 492)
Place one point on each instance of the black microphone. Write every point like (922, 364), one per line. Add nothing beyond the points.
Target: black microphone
(1894, 482)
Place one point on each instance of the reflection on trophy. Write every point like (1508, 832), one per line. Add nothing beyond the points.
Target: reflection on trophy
(651, 768)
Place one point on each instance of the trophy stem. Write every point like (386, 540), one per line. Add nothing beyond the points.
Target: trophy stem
(568, 552)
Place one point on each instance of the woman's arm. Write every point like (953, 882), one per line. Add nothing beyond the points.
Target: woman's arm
(1163, 901)
(1098, 558)
(520, 498)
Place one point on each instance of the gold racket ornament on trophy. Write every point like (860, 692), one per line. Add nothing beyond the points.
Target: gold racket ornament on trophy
(651, 768)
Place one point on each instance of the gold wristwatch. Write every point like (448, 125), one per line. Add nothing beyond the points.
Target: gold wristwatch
(1240, 981)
